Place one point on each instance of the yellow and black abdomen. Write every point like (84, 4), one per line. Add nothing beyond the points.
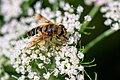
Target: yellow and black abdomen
(51, 29)
(34, 31)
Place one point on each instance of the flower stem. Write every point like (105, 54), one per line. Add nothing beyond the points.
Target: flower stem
(52, 67)
(92, 14)
(96, 40)
(55, 6)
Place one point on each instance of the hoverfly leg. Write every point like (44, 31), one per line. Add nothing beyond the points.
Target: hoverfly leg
(65, 37)
(58, 38)
(50, 39)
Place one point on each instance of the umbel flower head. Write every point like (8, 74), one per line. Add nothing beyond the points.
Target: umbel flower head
(112, 13)
(11, 8)
(51, 59)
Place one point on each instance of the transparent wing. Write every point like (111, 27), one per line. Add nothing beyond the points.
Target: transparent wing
(42, 19)
(36, 39)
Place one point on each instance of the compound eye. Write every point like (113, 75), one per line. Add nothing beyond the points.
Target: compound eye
(59, 31)
(61, 26)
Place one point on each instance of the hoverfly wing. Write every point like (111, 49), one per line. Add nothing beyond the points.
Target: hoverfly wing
(36, 39)
(42, 19)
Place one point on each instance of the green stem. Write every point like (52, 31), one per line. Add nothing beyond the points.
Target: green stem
(96, 40)
(55, 6)
(92, 13)
(88, 75)
(52, 67)
(95, 75)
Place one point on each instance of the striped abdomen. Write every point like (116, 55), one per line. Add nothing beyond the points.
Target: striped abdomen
(49, 28)
(34, 31)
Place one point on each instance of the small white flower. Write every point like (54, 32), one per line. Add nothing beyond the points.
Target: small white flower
(71, 10)
(58, 13)
(47, 61)
(73, 78)
(5, 77)
(56, 71)
(29, 68)
(67, 7)
(80, 55)
(42, 57)
(80, 9)
(62, 4)
(22, 69)
(59, 19)
(77, 36)
(31, 75)
(33, 56)
(88, 18)
(77, 25)
(104, 9)
(80, 77)
(21, 78)
(46, 75)
(50, 54)
(108, 22)
(115, 26)
(36, 78)
(30, 11)
(81, 68)
(37, 5)
(41, 65)
(71, 40)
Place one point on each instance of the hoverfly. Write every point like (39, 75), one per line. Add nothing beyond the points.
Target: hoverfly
(44, 31)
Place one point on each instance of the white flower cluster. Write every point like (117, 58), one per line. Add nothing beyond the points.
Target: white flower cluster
(112, 13)
(41, 62)
(12, 31)
(11, 8)
(97, 2)
(69, 8)
(68, 62)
